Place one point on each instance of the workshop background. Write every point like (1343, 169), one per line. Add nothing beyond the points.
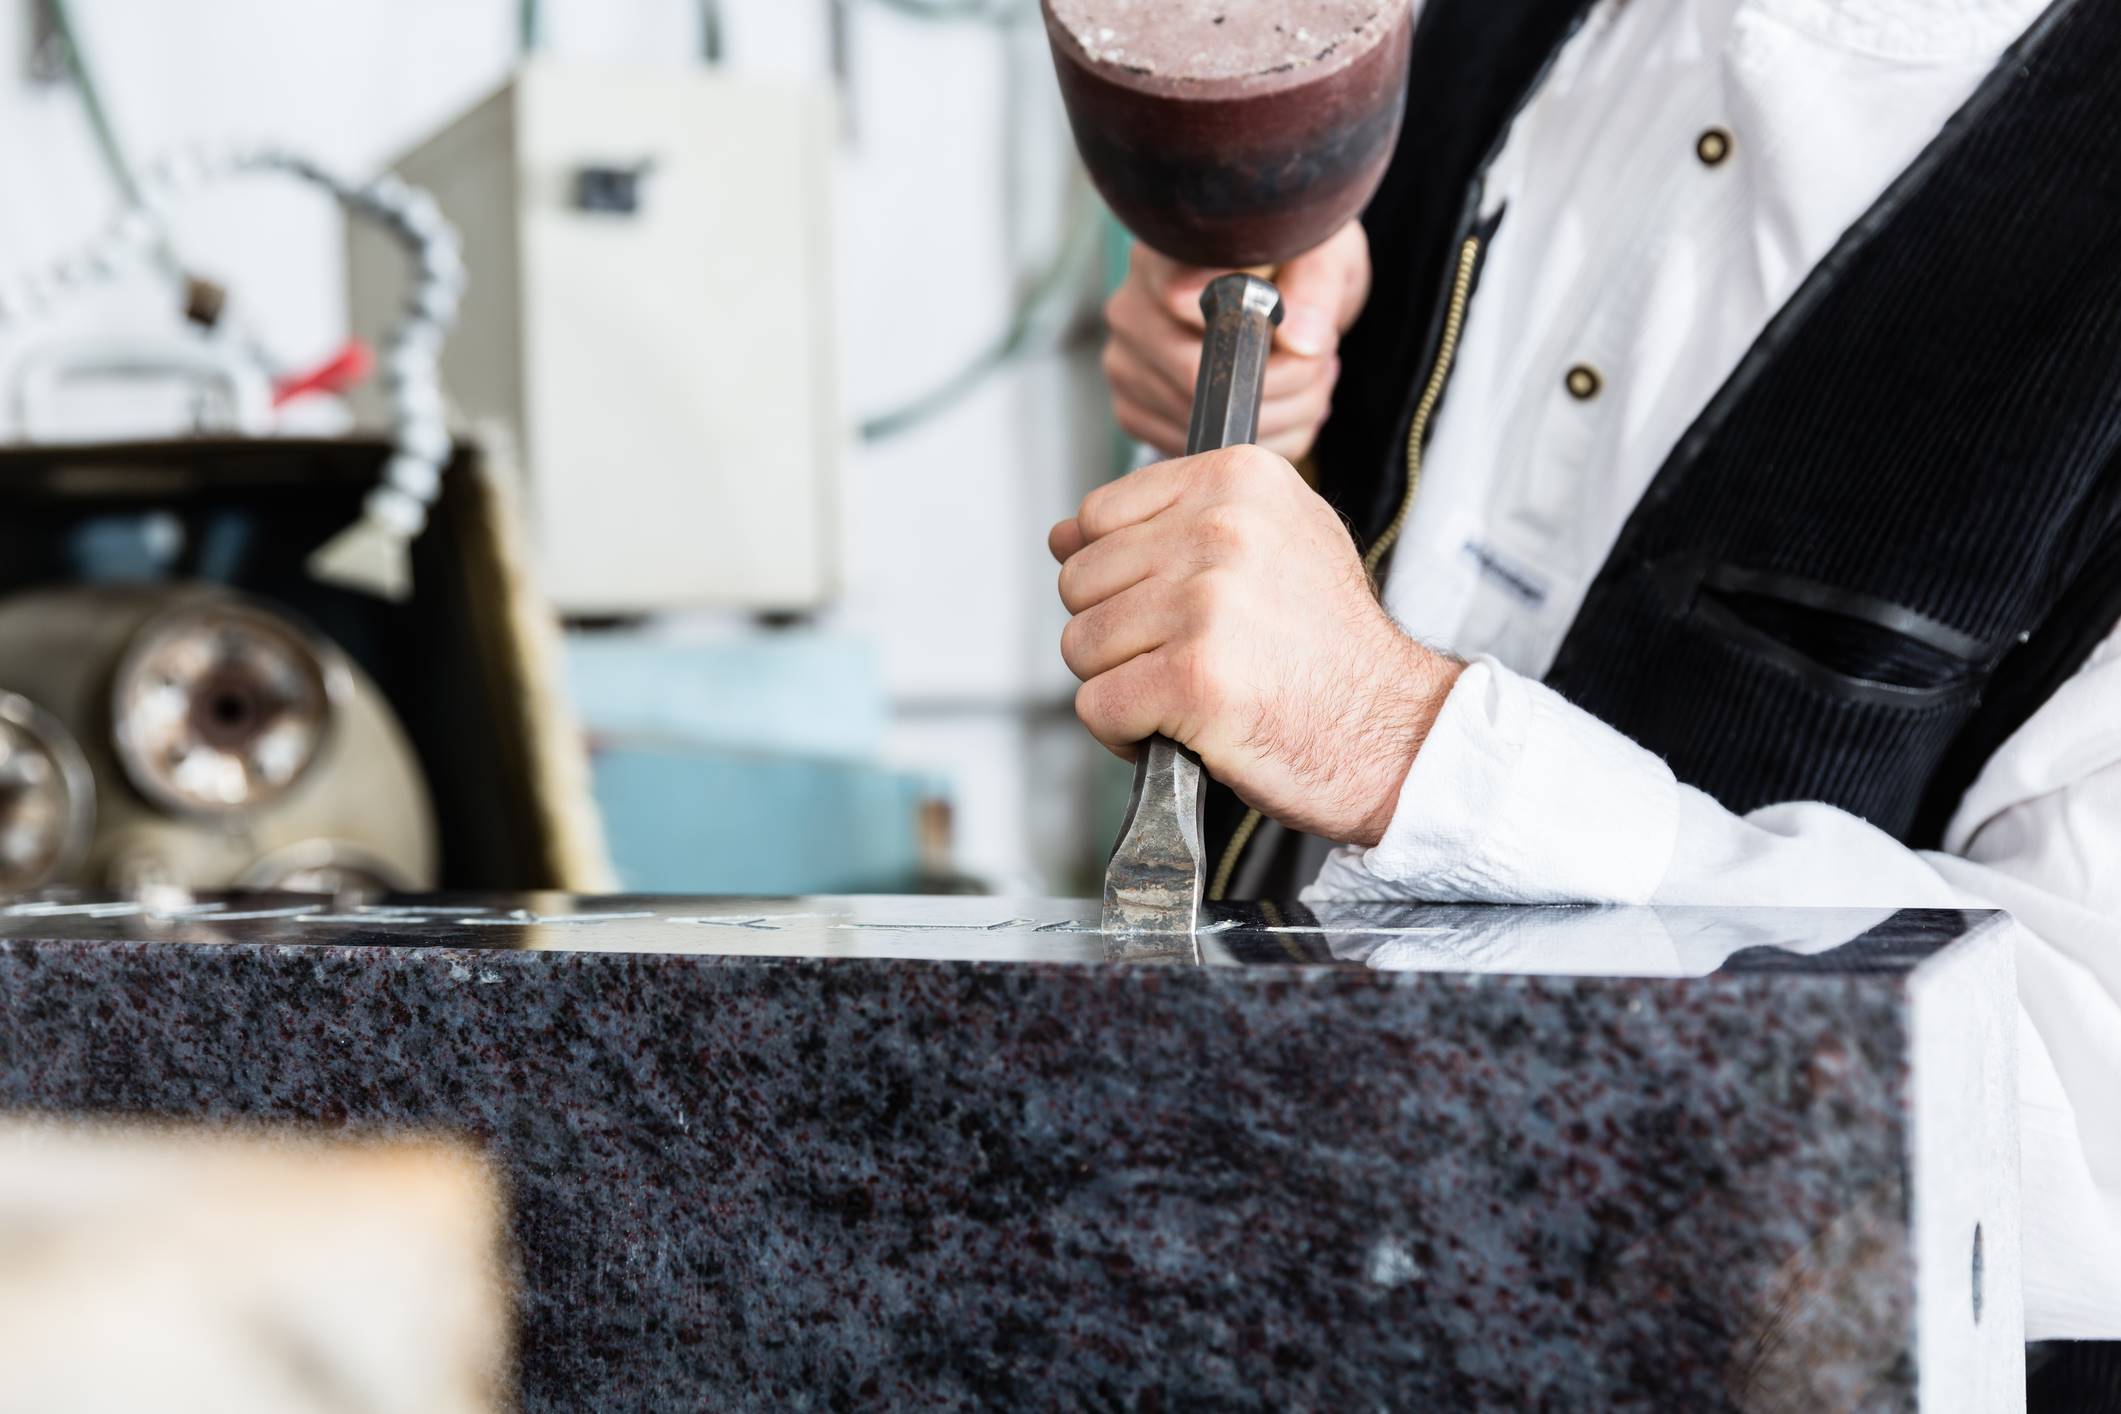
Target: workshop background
(789, 495)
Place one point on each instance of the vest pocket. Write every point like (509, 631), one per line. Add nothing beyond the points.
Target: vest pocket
(1851, 646)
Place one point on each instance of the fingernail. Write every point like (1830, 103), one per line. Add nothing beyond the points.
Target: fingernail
(1307, 331)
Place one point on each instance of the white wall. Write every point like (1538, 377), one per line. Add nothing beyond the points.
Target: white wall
(946, 525)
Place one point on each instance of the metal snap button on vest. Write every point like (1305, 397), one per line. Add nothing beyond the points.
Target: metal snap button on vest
(1713, 147)
(1583, 382)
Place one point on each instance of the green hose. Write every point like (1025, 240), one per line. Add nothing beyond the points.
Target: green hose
(121, 170)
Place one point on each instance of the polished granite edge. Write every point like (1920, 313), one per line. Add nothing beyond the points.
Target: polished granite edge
(1583, 941)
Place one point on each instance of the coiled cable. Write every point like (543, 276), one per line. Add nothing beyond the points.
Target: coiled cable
(374, 553)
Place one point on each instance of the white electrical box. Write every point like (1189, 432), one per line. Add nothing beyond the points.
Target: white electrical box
(650, 319)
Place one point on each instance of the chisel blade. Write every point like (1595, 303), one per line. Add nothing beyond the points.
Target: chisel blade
(1154, 882)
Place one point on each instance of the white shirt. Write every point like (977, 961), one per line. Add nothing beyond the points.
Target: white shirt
(1624, 252)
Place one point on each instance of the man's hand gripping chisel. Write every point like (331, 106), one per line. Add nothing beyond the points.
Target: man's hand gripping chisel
(1229, 137)
(1155, 879)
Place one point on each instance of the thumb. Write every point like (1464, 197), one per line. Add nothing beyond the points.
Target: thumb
(1322, 291)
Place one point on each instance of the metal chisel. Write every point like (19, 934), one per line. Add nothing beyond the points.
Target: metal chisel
(1159, 868)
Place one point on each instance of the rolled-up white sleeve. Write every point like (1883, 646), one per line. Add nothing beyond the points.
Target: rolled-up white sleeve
(1519, 797)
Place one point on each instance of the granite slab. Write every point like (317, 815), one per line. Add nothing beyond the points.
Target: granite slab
(973, 1153)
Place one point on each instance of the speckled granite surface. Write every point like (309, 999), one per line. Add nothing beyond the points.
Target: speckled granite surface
(803, 1155)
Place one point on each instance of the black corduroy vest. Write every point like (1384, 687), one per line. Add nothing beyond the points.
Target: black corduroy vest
(1897, 528)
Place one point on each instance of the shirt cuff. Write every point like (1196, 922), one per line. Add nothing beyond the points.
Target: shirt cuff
(1518, 797)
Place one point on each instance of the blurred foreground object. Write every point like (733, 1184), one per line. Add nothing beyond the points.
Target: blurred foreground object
(651, 327)
(176, 1269)
(191, 709)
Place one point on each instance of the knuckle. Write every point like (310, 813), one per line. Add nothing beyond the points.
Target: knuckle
(1167, 369)
(1077, 639)
(1203, 600)
(1096, 709)
(1071, 585)
(1086, 705)
(1293, 374)
(1217, 472)
(1296, 444)
(1349, 248)
(1117, 304)
(1223, 529)
(1196, 678)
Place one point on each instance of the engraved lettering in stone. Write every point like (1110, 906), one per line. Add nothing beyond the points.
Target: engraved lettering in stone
(71, 910)
(1358, 930)
(109, 910)
(759, 923)
(524, 918)
(1005, 926)
(302, 911)
(412, 910)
